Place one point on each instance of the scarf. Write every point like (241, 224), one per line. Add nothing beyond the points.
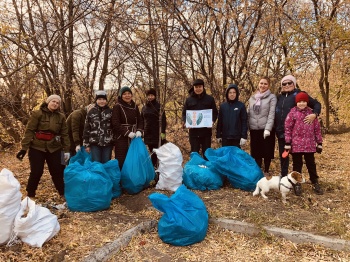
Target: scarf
(258, 96)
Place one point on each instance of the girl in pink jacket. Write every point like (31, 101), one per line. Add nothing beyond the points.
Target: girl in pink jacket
(303, 139)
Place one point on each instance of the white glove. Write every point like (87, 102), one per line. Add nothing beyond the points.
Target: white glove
(219, 140)
(266, 133)
(131, 135)
(77, 148)
(138, 134)
(66, 156)
(242, 142)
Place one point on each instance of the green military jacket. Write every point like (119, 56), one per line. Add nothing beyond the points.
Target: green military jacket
(75, 123)
(45, 120)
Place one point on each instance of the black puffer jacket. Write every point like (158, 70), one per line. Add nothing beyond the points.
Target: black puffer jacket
(150, 115)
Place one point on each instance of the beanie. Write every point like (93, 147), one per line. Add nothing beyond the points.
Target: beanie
(291, 78)
(198, 82)
(151, 91)
(100, 94)
(52, 97)
(302, 96)
(123, 90)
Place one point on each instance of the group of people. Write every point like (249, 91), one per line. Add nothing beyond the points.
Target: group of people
(291, 117)
(50, 137)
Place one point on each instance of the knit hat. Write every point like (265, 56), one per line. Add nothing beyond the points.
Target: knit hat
(151, 91)
(291, 78)
(52, 97)
(100, 94)
(302, 96)
(198, 82)
(123, 90)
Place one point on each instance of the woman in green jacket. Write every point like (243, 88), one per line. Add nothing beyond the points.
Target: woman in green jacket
(46, 136)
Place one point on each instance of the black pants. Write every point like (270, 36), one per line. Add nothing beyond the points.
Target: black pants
(310, 164)
(283, 161)
(197, 143)
(37, 160)
(231, 142)
(267, 163)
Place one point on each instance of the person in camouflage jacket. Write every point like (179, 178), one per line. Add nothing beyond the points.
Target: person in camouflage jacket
(45, 138)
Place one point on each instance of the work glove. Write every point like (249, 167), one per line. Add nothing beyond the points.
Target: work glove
(21, 154)
(77, 148)
(287, 147)
(319, 148)
(131, 135)
(162, 136)
(266, 133)
(219, 140)
(242, 142)
(138, 134)
(66, 157)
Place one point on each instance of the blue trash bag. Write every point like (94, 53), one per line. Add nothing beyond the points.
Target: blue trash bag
(81, 156)
(200, 174)
(90, 186)
(137, 171)
(239, 167)
(185, 219)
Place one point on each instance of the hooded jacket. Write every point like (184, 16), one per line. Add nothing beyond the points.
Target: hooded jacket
(48, 121)
(285, 102)
(199, 102)
(232, 120)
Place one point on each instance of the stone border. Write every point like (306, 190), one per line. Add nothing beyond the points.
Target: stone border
(105, 252)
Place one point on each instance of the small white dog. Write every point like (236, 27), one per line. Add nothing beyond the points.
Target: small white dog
(284, 184)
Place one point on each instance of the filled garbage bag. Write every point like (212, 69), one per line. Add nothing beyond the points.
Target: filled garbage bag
(170, 167)
(137, 171)
(239, 167)
(10, 203)
(200, 174)
(35, 224)
(185, 218)
(91, 186)
(81, 156)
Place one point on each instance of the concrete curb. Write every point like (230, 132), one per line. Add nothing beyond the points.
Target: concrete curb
(294, 236)
(105, 252)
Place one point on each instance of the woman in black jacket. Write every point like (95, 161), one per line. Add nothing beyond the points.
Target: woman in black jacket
(150, 114)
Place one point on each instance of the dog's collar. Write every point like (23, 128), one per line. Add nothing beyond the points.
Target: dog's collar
(290, 188)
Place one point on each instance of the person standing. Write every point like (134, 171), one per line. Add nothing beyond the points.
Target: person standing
(76, 123)
(232, 127)
(45, 137)
(261, 115)
(303, 139)
(150, 114)
(98, 135)
(127, 124)
(200, 138)
(285, 102)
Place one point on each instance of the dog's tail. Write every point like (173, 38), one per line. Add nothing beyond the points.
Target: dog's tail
(256, 191)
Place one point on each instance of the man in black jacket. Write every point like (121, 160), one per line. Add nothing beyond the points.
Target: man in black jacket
(200, 138)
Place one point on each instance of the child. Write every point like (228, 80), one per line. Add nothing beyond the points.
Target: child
(301, 139)
(98, 135)
(232, 125)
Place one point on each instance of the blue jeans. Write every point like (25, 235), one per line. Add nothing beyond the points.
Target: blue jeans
(101, 154)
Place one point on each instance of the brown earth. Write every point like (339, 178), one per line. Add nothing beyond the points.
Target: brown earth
(82, 233)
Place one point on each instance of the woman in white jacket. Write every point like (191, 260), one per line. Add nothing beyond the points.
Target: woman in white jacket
(261, 115)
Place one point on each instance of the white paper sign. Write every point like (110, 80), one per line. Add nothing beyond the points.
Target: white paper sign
(199, 118)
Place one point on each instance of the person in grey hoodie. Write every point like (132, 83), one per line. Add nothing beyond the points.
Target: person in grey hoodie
(232, 125)
(261, 114)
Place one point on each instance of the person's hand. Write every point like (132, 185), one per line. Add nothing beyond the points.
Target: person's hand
(266, 133)
(219, 140)
(310, 118)
(287, 147)
(242, 142)
(131, 135)
(21, 154)
(162, 136)
(138, 134)
(319, 148)
(77, 148)
(66, 156)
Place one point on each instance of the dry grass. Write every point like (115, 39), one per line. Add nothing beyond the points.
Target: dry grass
(81, 233)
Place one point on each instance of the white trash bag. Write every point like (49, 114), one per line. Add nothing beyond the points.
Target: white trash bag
(170, 167)
(35, 224)
(10, 203)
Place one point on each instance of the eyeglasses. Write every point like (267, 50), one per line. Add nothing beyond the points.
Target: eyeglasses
(287, 83)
